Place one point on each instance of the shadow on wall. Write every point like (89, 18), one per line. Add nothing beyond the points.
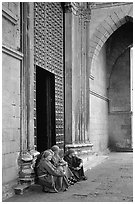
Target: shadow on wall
(119, 147)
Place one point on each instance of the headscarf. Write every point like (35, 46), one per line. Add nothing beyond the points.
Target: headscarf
(46, 153)
(55, 148)
(70, 151)
(51, 151)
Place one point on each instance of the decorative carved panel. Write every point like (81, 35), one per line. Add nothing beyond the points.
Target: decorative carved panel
(48, 54)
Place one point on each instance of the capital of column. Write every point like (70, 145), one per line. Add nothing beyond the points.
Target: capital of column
(68, 7)
(80, 9)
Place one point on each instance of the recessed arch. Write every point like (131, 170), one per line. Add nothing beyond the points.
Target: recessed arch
(109, 25)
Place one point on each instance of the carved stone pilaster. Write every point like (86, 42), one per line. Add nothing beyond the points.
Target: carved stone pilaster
(80, 9)
(68, 7)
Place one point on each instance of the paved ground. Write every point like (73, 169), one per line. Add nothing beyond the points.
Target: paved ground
(110, 181)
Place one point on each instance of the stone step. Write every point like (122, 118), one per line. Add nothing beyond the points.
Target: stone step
(24, 183)
(20, 188)
(27, 180)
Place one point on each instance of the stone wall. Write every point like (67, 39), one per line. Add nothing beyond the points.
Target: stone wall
(104, 23)
(11, 116)
(11, 64)
(119, 108)
(118, 73)
(99, 104)
(86, 81)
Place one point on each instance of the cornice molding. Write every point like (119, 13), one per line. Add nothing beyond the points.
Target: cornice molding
(68, 7)
(83, 9)
(99, 95)
(91, 77)
(11, 52)
(109, 4)
(120, 112)
(80, 9)
(9, 15)
(79, 145)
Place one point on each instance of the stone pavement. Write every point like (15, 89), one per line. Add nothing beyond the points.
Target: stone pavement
(111, 181)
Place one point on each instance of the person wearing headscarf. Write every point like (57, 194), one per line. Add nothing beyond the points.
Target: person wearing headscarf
(75, 164)
(37, 162)
(51, 151)
(36, 165)
(61, 164)
(50, 177)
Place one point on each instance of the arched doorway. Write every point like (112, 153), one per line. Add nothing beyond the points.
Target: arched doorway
(119, 88)
(110, 67)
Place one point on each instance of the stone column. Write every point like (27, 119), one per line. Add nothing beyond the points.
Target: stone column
(30, 68)
(68, 73)
(76, 68)
(28, 154)
(27, 79)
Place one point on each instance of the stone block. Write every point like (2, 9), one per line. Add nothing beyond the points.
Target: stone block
(111, 23)
(98, 34)
(107, 26)
(116, 19)
(102, 29)
(7, 189)
(95, 39)
(81, 148)
(121, 14)
(5, 4)
(93, 44)
(21, 188)
(8, 177)
(10, 160)
(29, 181)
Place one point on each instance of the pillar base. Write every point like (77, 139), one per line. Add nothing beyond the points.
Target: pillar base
(26, 173)
(81, 148)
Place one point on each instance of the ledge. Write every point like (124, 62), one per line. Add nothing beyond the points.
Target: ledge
(82, 149)
(12, 52)
(98, 95)
(98, 5)
(9, 15)
(120, 112)
(79, 145)
(91, 77)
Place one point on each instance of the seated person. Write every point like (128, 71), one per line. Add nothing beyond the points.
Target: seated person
(60, 163)
(56, 159)
(36, 164)
(49, 176)
(75, 164)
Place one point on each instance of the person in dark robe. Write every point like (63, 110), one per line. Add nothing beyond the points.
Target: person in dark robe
(36, 165)
(61, 164)
(39, 156)
(50, 177)
(75, 164)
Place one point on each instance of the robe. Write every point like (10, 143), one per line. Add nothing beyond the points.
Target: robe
(74, 162)
(60, 163)
(50, 176)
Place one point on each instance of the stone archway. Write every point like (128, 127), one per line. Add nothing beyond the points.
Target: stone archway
(110, 24)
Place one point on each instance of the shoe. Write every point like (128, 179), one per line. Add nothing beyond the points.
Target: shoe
(65, 189)
(84, 178)
(47, 190)
(70, 182)
(56, 191)
(53, 191)
(74, 180)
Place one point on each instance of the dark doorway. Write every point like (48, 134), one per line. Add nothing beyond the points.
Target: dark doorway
(45, 106)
